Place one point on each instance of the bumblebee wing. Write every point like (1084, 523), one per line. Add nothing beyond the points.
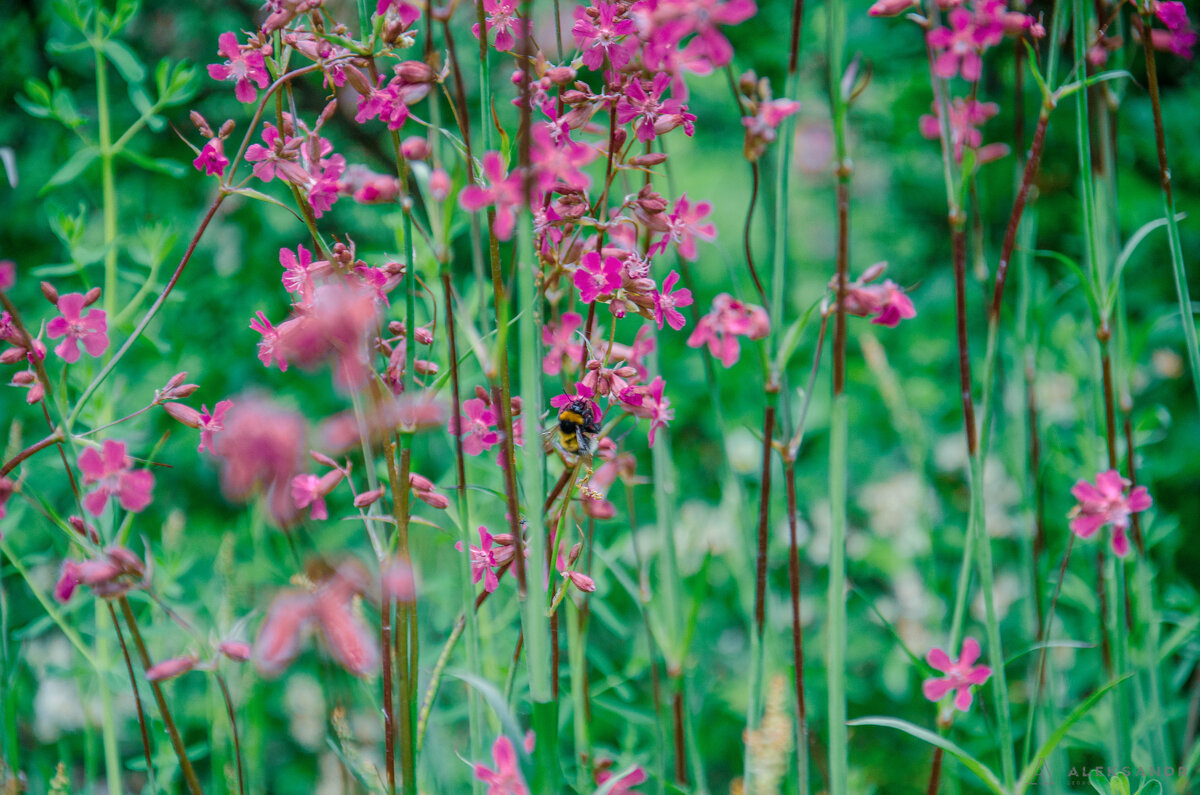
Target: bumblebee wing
(549, 437)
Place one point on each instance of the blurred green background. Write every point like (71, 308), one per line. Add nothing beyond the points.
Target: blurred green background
(908, 491)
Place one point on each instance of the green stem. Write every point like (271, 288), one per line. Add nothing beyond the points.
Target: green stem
(576, 651)
(107, 176)
(112, 757)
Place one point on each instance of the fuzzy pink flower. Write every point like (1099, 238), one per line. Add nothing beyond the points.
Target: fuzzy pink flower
(8, 274)
(502, 18)
(959, 46)
(90, 329)
(312, 489)
(169, 669)
(1172, 13)
(6, 490)
(503, 192)
(559, 336)
(582, 392)
(261, 445)
(966, 116)
(1177, 42)
(625, 784)
(243, 65)
(595, 278)
(644, 101)
(704, 16)
(506, 778)
(477, 427)
(886, 301)
(655, 407)
(960, 676)
(728, 320)
(666, 301)
(483, 560)
(236, 650)
(762, 128)
(558, 161)
(1107, 503)
(114, 475)
(684, 227)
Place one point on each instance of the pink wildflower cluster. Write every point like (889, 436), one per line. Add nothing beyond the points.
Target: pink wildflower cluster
(109, 576)
(729, 319)
(885, 303)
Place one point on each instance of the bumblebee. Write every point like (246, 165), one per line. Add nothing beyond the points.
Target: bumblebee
(576, 434)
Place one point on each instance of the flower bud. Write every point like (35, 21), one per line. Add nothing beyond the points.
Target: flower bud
(12, 356)
(236, 650)
(83, 528)
(874, 272)
(414, 148)
(420, 482)
(439, 184)
(323, 459)
(368, 498)
(357, 79)
(560, 75)
(201, 124)
(581, 581)
(129, 562)
(169, 669)
(432, 499)
(414, 72)
(483, 395)
(50, 293)
(424, 336)
(185, 414)
(650, 159)
(890, 8)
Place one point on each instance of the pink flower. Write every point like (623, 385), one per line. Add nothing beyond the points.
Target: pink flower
(1177, 42)
(297, 275)
(960, 676)
(91, 329)
(559, 336)
(728, 320)
(476, 426)
(958, 46)
(705, 15)
(582, 392)
(279, 158)
(1107, 503)
(504, 193)
(666, 301)
(965, 118)
(595, 278)
(244, 65)
(598, 35)
(114, 475)
(886, 301)
(657, 115)
(655, 407)
(212, 160)
(483, 560)
(236, 650)
(559, 161)
(311, 490)
(268, 346)
(261, 445)
(503, 19)
(684, 227)
(212, 423)
(1172, 13)
(8, 274)
(506, 778)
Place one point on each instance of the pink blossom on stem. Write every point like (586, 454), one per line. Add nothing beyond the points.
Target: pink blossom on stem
(503, 192)
(1177, 42)
(684, 227)
(762, 128)
(268, 346)
(728, 320)
(960, 675)
(297, 275)
(483, 560)
(655, 407)
(644, 101)
(212, 160)
(8, 275)
(1172, 13)
(90, 329)
(244, 65)
(599, 30)
(1107, 503)
(6, 490)
(666, 301)
(958, 47)
(476, 425)
(595, 278)
(278, 158)
(112, 472)
(502, 18)
(966, 116)
(212, 423)
(169, 669)
(886, 301)
(559, 337)
(625, 784)
(506, 778)
(705, 16)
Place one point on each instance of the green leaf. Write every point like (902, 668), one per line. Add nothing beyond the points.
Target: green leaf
(495, 700)
(1127, 253)
(125, 60)
(1100, 77)
(71, 169)
(1084, 281)
(1060, 733)
(1053, 644)
(971, 763)
(791, 338)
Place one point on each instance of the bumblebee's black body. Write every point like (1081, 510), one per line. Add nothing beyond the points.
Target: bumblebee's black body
(575, 434)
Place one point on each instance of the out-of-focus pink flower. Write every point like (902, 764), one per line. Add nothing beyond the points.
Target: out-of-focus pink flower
(890, 8)
(169, 669)
(559, 337)
(262, 445)
(728, 320)
(330, 608)
(476, 425)
(966, 116)
(8, 274)
(655, 407)
(666, 301)
(312, 489)
(334, 326)
(107, 578)
(960, 675)
(244, 65)
(503, 192)
(212, 160)
(684, 227)
(595, 278)
(1107, 503)
(112, 472)
(1172, 13)
(959, 46)
(886, 301)
(398, 581)
(1177, 42)
(762, 128)
(502, 19)
(406, 413)
(506, 778)
(439, 184)
(90, 329)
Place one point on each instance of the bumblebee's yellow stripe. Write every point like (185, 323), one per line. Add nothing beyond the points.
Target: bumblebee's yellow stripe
(568, 441)
(570, 416)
